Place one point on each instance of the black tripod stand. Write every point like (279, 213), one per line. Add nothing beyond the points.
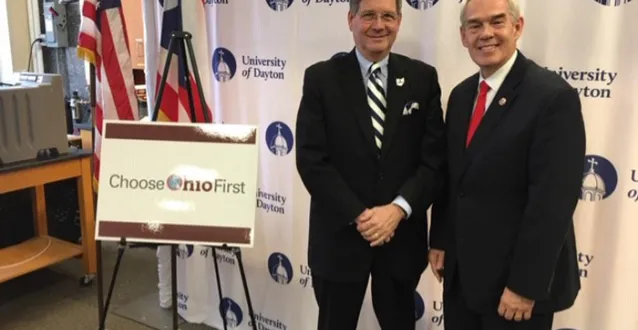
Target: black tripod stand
(182, 40)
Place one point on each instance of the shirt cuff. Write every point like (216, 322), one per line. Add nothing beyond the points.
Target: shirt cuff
(404, 205)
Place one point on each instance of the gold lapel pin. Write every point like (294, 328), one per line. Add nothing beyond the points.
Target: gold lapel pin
(502, 101)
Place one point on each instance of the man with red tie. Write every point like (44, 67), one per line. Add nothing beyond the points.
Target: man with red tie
(502, 235)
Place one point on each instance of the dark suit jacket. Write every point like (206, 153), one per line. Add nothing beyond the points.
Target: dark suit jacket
(338, 164)
(506, 218)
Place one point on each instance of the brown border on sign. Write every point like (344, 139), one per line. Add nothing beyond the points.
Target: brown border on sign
(193, 233)
(176, 133)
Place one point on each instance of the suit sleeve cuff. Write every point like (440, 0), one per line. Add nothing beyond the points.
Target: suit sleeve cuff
(402, 203)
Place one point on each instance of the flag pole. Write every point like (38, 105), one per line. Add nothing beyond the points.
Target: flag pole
(98, 243)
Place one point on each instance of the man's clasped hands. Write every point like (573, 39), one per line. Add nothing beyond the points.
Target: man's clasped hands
(377, 225)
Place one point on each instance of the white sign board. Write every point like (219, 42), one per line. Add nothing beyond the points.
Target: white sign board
(177, 183)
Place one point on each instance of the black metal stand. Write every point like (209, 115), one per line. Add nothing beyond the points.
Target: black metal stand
(103, 306)
(183, 37)
(237, 252)
(184, 40)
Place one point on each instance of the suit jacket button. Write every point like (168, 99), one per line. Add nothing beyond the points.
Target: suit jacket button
(462, 194)
(380, 176)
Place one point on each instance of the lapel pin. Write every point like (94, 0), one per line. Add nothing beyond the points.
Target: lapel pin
(400, 81)
(502, 101)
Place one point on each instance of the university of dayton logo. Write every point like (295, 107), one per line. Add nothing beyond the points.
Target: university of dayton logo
(224, 64)
(419, 306)
(612, 3)
(422, 4)
(279, 138)
(279, 5)
(185, 251)
(599, 179)
(231, 312)
(280, 268)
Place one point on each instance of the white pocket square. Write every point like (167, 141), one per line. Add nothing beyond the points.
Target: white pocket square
(409, 107)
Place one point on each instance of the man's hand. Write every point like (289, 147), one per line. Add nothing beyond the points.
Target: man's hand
(379, 224)
(436, 258)
(364, 216)
(515, 307)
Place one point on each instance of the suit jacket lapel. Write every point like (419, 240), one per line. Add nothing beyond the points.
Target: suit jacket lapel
(463, 105)
(501, 104)
(354, 88)
(395, 98)
(467, 104)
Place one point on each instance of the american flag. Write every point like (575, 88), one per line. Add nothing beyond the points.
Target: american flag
(103, 41)
(174, 105)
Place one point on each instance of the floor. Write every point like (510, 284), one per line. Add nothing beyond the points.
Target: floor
(53, 299)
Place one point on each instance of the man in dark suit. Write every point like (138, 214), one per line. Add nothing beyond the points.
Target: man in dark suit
(503, 233)
(369, 149)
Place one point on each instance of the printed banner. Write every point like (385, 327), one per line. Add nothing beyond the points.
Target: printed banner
(252, 55)
(188, 183)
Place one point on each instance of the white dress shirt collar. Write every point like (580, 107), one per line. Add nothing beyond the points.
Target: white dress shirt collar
(496, 79)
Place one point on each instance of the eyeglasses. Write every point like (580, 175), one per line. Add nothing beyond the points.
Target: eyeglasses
(370, 16)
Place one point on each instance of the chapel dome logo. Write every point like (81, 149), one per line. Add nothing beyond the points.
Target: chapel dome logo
(599, 179)
(614, 3)
(280, 268)
(279, 138)
(419, 306)
(224, 64)
(231, 311)
(185, 251)
(279, 5)
(422, 4)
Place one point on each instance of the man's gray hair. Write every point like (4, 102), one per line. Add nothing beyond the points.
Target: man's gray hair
(354, 6)
(514, 10)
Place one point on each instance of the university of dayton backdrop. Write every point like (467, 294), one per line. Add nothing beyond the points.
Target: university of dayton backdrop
(252, 55)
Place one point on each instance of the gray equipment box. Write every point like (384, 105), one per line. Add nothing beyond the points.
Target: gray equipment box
(33, 118)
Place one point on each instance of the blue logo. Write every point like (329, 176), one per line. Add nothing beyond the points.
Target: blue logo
(231, 312)
(279, 138)
(224, 64)
(599, 179)
(339, 54)
(419, 306)
(280, 268)
(614, 3)
(279, 5)
(174, 182)
(422, 4)
(185, 251)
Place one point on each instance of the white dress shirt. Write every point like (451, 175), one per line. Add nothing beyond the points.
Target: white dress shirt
(365, 65)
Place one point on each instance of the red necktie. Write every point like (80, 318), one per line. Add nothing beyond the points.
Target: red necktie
(479, 110)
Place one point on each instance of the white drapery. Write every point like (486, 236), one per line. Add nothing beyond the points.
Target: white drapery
(252, 54)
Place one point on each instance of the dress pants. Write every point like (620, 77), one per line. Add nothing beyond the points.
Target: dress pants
(340, 302)
(458, 316)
